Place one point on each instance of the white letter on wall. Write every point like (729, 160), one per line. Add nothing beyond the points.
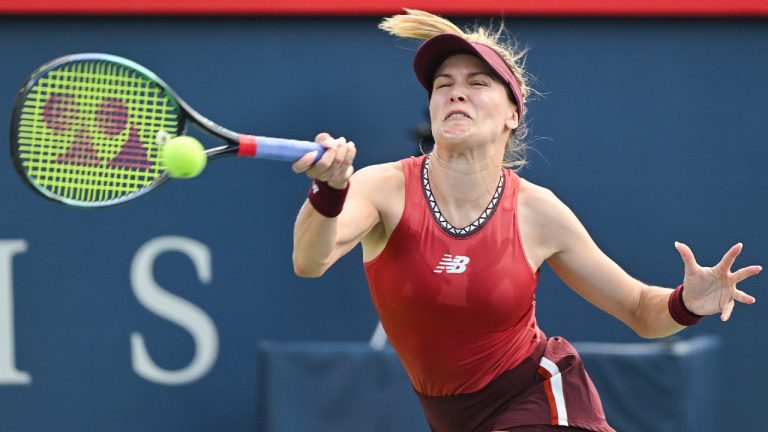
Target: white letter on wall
(174, 309)
(8, 372)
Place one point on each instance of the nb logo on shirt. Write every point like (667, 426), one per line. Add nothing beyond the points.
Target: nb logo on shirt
(452, 264)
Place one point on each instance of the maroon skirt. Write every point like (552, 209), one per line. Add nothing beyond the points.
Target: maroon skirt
(549, 388)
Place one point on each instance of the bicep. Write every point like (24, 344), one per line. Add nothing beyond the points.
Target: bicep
(357, 218)
(375, 195)
(319, 241)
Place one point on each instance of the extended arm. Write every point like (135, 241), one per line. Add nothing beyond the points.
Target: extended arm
(320, 240)
(587, 270)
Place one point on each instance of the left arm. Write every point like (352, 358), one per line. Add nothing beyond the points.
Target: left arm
(577, 260)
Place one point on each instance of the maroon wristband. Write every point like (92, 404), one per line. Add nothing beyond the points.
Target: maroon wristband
(679, 312)
(328, 201)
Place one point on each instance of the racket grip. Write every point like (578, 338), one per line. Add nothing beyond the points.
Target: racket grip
(278, 149)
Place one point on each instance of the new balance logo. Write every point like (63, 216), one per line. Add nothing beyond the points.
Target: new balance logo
(452, 264)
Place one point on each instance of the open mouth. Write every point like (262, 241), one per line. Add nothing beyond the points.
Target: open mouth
(457, 114)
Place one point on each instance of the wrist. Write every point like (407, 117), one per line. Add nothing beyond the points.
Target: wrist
(338, 186)
(326, 199)
(679, 312)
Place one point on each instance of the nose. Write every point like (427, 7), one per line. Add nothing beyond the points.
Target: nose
(457, 93)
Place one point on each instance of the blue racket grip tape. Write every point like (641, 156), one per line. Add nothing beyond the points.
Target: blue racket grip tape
(279, 149)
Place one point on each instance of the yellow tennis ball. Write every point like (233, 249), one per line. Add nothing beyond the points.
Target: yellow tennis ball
(183, 156)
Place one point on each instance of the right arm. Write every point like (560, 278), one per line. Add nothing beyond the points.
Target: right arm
(319, 241)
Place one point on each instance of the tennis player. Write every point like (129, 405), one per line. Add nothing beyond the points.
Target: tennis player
(453, 242)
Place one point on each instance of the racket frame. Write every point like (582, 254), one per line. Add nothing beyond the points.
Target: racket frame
(185, 114)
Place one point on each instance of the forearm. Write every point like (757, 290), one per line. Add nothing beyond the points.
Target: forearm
(316, 233)
(652, 316)
(314, 242)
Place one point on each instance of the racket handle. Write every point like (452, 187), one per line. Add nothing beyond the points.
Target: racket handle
(279, 149)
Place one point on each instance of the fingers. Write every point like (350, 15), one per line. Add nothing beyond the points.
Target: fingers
(307, 161)
(729, 258)
(721, 281)
(323, 137)
(742, 297)
(738, 296)
(344, 154)
(335, 166)
(746, 272)
(304, 163)
(687, 255)
(727, 311)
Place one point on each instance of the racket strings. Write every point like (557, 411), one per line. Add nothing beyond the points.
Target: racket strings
(87, 131)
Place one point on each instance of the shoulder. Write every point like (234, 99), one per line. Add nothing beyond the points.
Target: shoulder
(389, 170)
(383, 187)
(538, 200)
(549, 217)
(544, 216)
(380, 178)
(379, 184)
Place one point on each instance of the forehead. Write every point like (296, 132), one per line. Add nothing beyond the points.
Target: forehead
(463, 62)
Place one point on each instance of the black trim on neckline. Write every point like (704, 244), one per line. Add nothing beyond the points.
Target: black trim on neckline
(437, 215)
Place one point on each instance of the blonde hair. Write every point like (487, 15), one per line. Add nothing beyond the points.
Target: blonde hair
(418, 24)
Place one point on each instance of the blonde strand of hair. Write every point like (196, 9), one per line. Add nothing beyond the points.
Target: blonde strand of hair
(418, 24)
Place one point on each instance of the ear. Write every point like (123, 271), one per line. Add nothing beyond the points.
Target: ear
(513, 120)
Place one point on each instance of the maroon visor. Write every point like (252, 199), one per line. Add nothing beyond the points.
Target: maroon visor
(434, 51)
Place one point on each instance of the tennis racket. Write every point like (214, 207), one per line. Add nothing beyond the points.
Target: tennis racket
(87, 129)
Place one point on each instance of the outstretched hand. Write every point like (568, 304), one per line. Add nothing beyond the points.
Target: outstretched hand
(709, 290)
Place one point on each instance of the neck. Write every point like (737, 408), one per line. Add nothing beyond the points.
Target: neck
(463, 182)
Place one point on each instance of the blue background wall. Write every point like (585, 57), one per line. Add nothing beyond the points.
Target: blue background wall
(651, 130)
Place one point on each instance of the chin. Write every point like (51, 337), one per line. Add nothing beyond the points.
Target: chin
(454, 134)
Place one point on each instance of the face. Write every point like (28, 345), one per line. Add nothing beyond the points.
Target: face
(469, 104)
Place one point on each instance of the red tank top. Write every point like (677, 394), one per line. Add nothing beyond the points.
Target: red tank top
(458, 305)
